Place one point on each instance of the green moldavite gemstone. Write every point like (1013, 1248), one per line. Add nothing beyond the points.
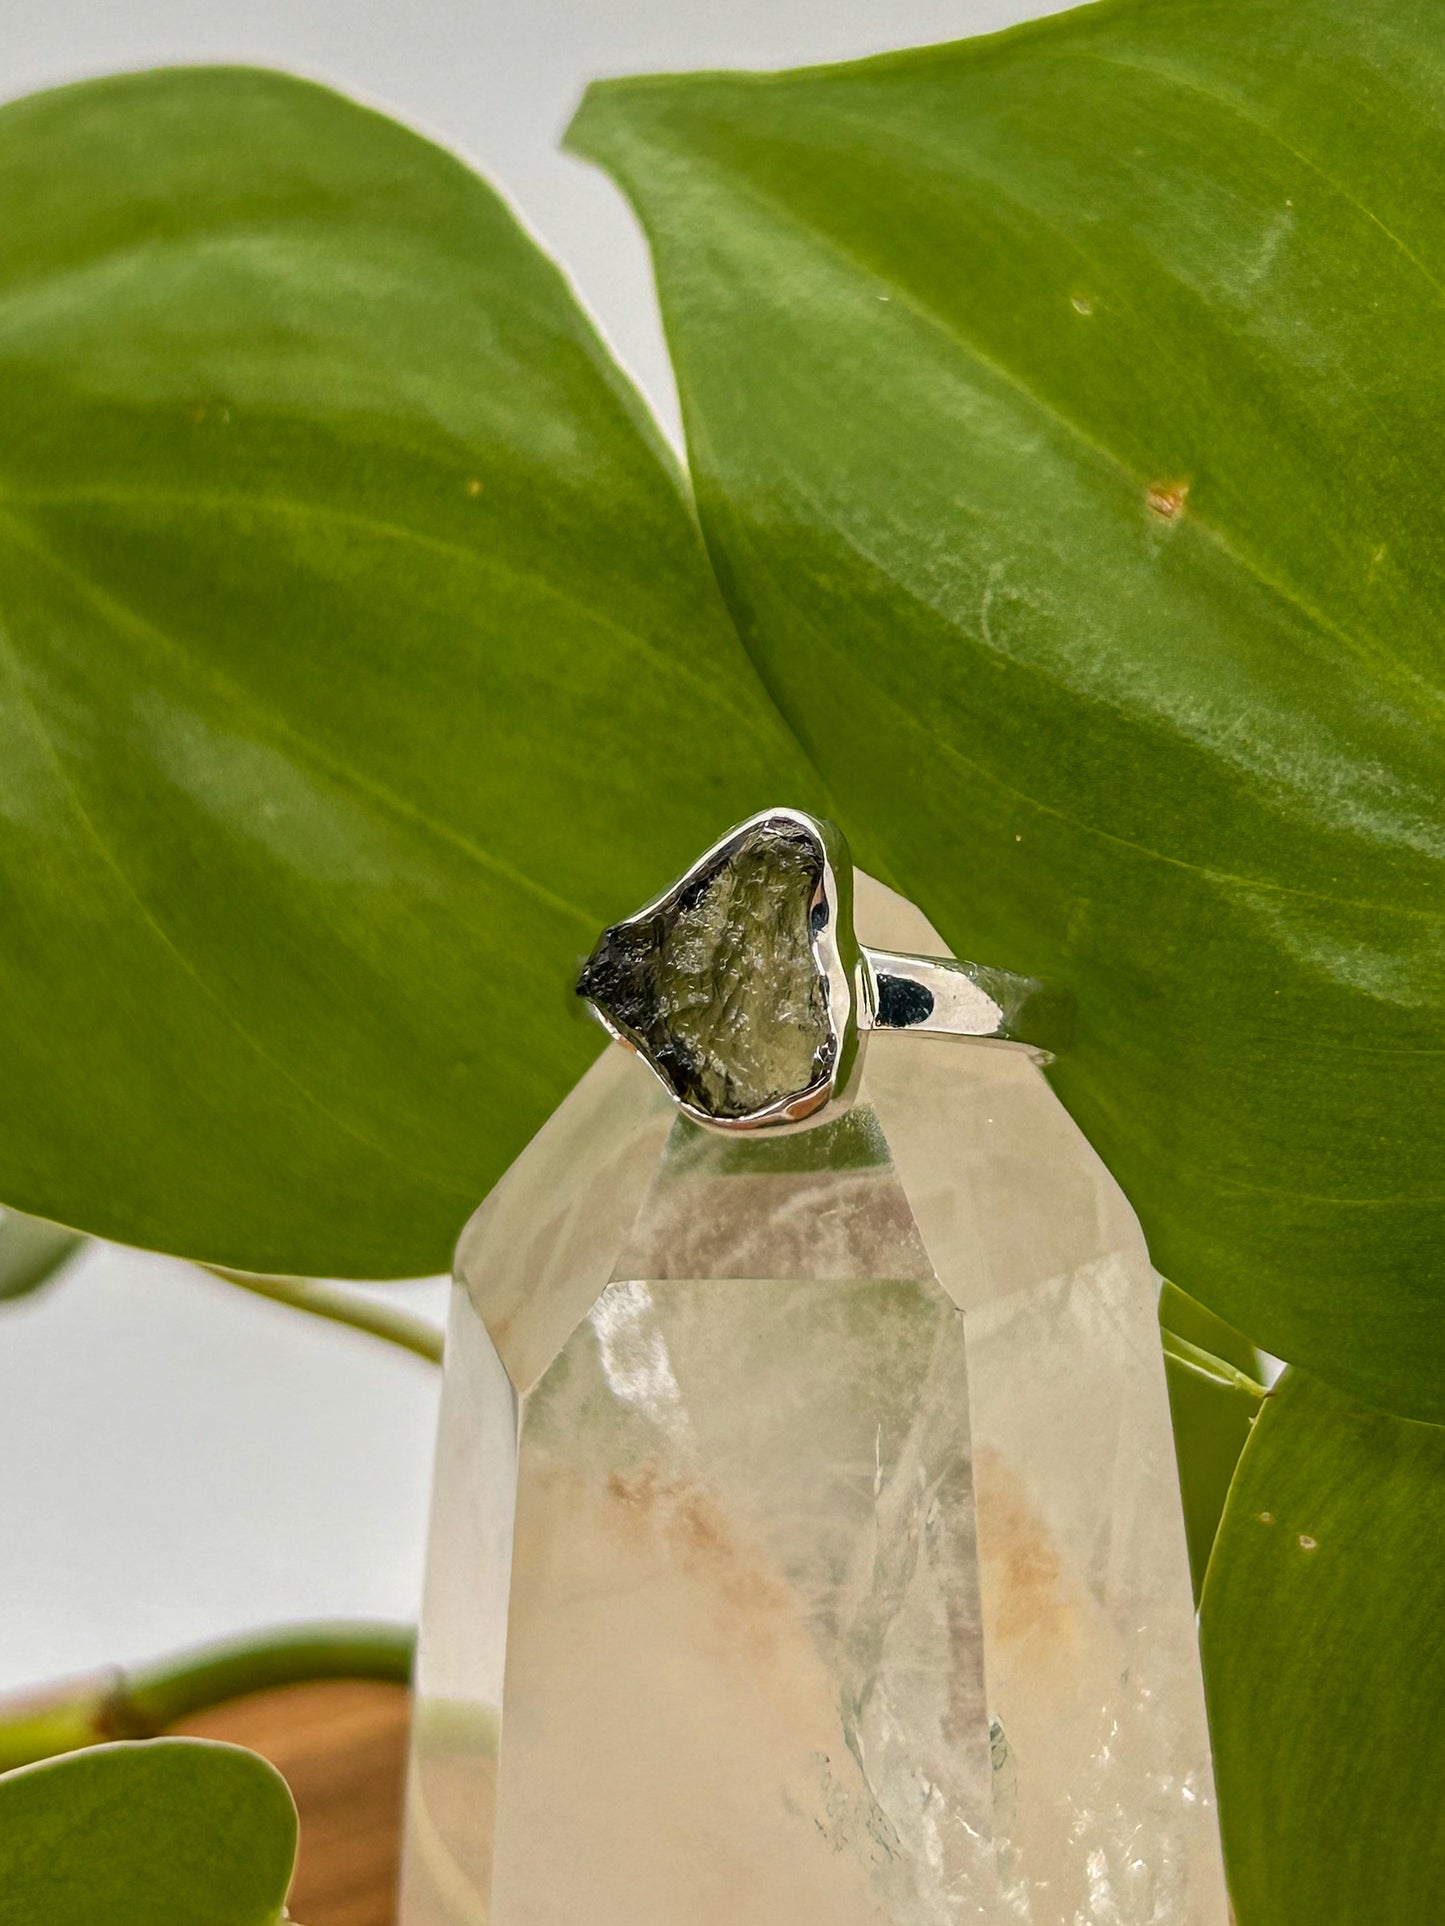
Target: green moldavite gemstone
(718, 985)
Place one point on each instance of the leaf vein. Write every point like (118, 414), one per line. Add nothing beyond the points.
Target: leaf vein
(167, 942)
(487, 562)
(1185, 85)
(951, 750)
(338, 771)
(1369, 650)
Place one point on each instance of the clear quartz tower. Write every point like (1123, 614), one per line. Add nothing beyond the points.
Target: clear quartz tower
(806, 1544)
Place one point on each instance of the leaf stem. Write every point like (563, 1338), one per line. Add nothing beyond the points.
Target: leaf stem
(1205, 1364)
(341, 1306)
(148, 1700)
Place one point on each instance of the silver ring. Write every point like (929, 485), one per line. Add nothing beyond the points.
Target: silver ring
(746, 992)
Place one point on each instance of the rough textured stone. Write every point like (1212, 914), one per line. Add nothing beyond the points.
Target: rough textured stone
(807, 1541)
(718, 985)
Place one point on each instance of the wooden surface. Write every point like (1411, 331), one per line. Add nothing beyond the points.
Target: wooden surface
(341, 1748)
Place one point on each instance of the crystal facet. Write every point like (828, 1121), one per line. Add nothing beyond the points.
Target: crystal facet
(806, 1540)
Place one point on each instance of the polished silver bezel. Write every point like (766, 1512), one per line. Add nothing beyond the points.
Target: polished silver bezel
(835, 953)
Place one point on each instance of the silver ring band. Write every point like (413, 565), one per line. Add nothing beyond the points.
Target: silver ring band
(945, 997)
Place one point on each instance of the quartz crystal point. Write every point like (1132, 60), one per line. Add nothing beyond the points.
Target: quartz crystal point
(806, 1546)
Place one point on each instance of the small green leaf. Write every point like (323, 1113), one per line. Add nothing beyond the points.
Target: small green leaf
(1324, 1646)
(359, 659)
(175, 1830)
(31, 1252)
(1067, 411)
(1215, 1395)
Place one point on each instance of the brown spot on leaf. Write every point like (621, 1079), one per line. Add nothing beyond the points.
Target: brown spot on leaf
(1166, 499)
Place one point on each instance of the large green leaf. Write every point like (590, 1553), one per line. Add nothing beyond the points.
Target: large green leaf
(178, 1831)
(1066, 411)
(358, 659)
(1324, 1647)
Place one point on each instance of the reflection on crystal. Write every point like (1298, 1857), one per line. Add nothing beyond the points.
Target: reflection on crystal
(718, 984)
(806, 1527)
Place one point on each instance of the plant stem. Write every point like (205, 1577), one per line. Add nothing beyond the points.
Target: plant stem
(1216, 1370)
(341, 1307)
(148, 1700)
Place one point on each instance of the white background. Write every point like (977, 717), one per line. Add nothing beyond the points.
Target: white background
(178, 1460)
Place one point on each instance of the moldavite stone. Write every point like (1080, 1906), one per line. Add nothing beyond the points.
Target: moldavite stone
(806, 1544)
(717, 983)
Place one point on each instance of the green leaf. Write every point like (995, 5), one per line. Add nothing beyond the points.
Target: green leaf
(180, 1830)
(359, 659)
(1185, 1317)
(1215, 1394)
(1066, 412)
(1324, 1648)
(31, 1252)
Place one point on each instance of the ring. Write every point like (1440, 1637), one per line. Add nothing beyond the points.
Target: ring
(745, 991)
